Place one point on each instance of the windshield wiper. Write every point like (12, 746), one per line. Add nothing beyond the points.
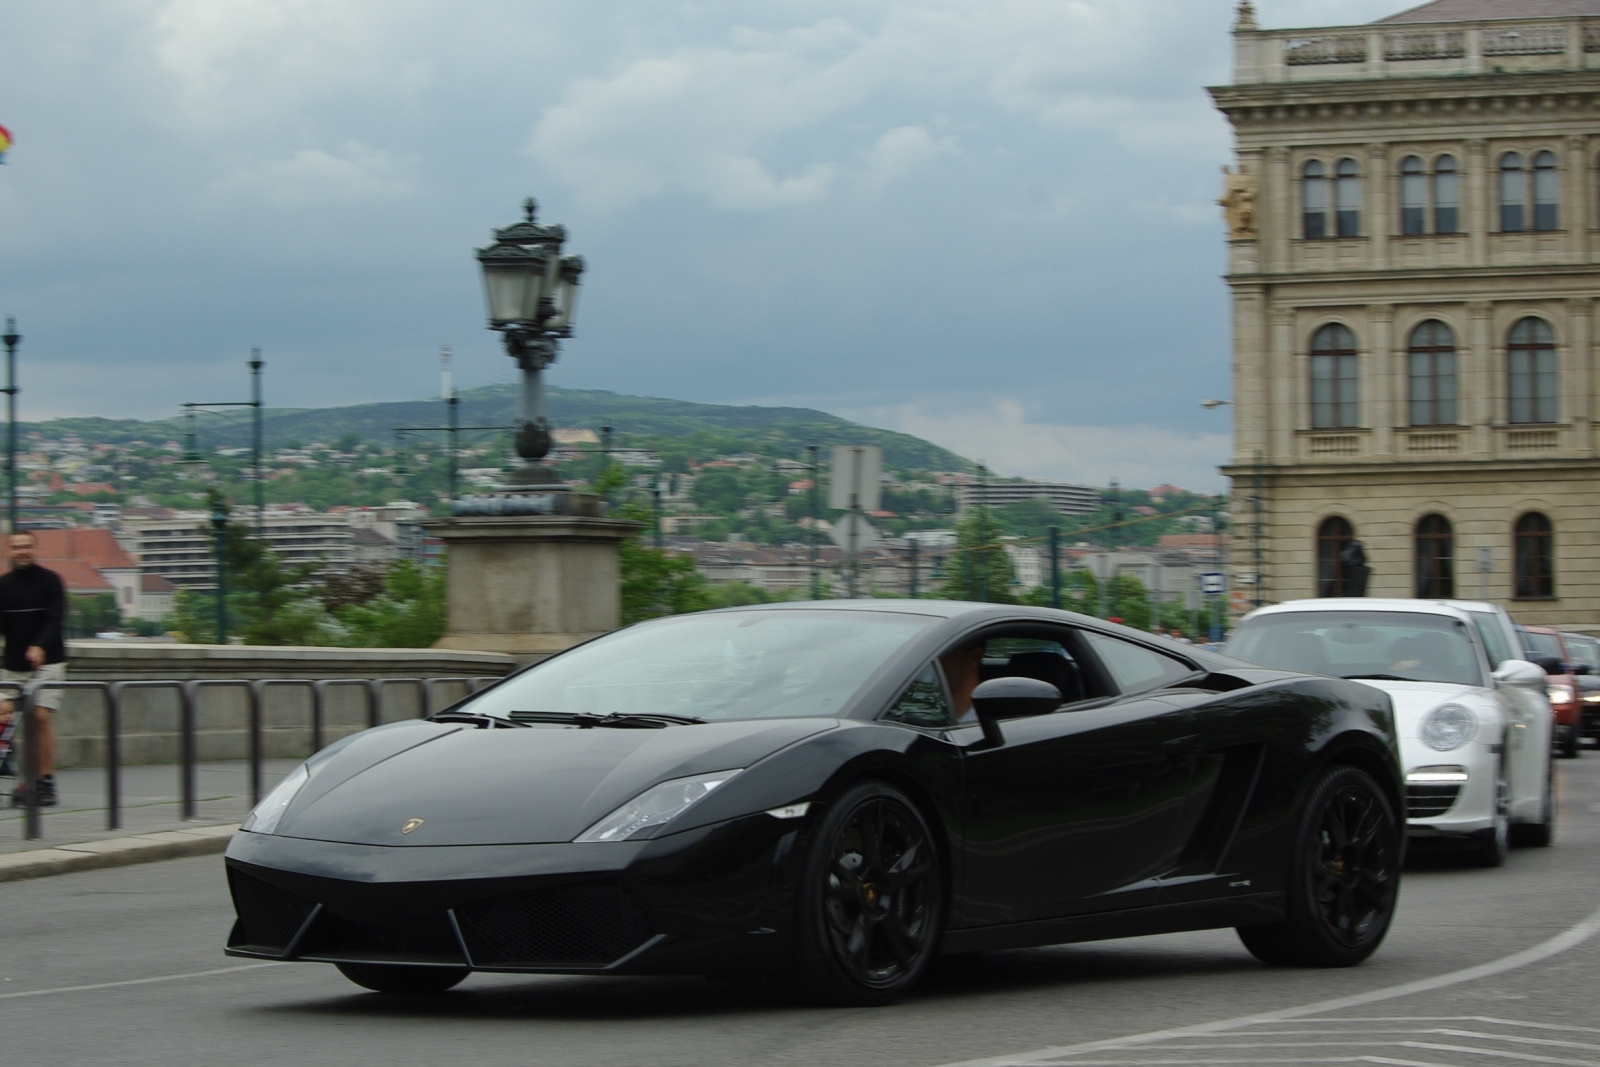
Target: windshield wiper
(475, 718)
(1377, 677)
(615, 720)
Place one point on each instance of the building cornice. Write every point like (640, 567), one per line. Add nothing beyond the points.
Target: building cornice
(1404, 101)
(1258, 280)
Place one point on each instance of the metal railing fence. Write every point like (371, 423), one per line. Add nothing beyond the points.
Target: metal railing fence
(24, 697)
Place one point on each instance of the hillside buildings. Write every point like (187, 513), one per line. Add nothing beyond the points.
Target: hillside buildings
(1414, 258)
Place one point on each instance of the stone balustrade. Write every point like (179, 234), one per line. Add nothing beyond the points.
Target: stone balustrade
(149, 717)
(1416, 49)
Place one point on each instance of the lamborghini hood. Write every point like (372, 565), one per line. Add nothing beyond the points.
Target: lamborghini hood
(471, 786)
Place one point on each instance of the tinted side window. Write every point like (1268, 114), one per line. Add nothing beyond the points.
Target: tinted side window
(1134, 668)
(923, 702)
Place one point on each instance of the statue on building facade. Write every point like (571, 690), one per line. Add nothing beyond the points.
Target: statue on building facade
(1238, 202)
(1356, 571)
(1245, 19)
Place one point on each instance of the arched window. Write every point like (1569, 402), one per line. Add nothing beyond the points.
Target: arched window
(1314, 198)
(1347, 192)
(1431, 354)
(1531, 368)
(1333, 537)
(1446, 195)
(1513, 193)
(1413, 197)
(1546, 192)
(1334, 379)
(1534, 558)
(1436, 554)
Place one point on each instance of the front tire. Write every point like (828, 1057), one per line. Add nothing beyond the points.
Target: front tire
(1491, 847)
(1540, 834)
(870, 903)
(1344, 877)
(402, 978)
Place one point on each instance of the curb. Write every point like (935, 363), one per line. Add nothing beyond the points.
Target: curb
(116, 852)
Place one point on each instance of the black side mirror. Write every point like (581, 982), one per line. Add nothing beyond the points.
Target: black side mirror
(1549, 664)
(1014, 698)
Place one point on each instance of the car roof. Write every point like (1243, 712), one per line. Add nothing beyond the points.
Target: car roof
(1367, 603)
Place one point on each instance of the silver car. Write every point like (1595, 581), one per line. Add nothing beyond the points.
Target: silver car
(1473, 723)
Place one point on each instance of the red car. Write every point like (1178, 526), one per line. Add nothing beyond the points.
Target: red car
(1546, 648)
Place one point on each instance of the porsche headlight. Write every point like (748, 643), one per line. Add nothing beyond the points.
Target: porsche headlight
(656, 805)
(264, 819)
(1448, 727)
(1559, 694)
(1591, 698)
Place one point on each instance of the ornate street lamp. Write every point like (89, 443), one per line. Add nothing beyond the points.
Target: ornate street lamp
(532, 293)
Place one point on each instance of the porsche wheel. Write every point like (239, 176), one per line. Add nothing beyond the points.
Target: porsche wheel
(401, 977)
(870, 902)
(1540, 834)
(1344, 876)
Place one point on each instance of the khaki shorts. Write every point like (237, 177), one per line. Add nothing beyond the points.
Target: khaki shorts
(50, 672)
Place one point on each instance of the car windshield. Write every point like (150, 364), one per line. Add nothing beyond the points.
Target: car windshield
(1397, 645)
(1543, 644)
(718, 665)
(1584, 651)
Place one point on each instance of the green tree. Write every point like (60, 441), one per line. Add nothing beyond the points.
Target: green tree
(409, 613)
(92, 613)
(654, 583)
(979, 568)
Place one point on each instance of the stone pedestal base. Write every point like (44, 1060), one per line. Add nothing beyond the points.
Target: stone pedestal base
(530, 585)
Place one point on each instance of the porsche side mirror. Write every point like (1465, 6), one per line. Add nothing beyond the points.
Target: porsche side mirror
(1520, 672)
(1015, 698)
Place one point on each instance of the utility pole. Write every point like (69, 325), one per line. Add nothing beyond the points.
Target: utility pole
(913, 568)
(12, 340)
(655, 493)
(983, 550)
(255, 444)
(447, 388)
(219, 524)
(1055, 567)
(816, 517)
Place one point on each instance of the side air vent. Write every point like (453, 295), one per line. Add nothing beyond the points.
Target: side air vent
(1429, 800)
(588, 925)
(269, 917)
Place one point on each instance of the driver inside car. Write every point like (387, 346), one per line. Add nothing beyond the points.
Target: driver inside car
(962, 667)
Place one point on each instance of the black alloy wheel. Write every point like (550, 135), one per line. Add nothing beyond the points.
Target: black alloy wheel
(1540, 834)
(1344, 877)
(402, 978)
(870, 903)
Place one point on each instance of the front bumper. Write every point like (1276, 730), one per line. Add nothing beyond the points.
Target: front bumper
(1452, 795)
(714, 898)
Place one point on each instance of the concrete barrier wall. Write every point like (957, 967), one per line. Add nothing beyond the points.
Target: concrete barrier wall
(149, 717)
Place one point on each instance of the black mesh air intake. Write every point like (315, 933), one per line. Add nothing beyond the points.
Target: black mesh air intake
(269, 917)
(568, 926)
(1428, 800)
(422, 938)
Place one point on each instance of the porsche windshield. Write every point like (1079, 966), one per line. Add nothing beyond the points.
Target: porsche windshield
(1394, 645)
(719, 665)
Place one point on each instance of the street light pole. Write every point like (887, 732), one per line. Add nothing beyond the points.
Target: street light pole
(12, 339)
(816, 517)
(261, 483)
(219, 523)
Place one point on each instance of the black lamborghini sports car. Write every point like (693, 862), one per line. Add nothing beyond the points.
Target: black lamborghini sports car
(834, 793)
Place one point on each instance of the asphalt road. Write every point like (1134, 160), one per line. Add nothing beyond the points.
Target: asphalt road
(124, 966)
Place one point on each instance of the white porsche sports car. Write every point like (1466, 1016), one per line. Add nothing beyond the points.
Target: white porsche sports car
(1474, 729)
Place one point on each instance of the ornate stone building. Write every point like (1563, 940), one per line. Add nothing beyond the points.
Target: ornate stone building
(1414, 250)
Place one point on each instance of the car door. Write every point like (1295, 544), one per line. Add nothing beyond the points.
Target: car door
(1528, 722)
(1077, 812)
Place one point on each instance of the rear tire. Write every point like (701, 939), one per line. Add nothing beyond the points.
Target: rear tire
(1540, 834)
(1344, 877)
(870, 904)
(402, 978)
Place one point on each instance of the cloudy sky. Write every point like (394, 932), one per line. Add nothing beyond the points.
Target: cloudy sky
(986, 222)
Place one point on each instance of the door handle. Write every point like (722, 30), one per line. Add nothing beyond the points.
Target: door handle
(1180, 746)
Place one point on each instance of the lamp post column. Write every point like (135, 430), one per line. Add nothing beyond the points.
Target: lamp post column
(12, 339)
(219, 524)
(255, 446)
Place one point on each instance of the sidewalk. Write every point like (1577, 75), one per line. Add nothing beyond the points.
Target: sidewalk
(75, 834)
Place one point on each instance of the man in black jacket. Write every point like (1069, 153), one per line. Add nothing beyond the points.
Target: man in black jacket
(33, 606)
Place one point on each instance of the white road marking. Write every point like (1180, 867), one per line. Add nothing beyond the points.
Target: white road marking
(1567, 939)
(136, 981)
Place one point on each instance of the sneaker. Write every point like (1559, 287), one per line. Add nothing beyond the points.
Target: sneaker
(47, 792)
